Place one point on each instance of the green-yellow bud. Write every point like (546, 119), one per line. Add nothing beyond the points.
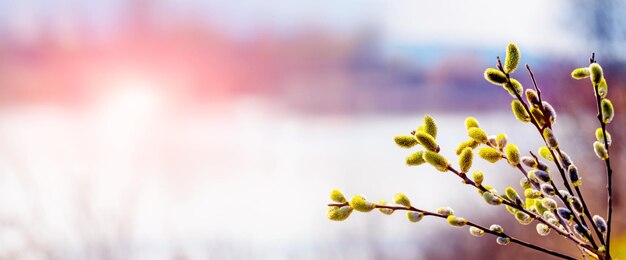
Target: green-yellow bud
(523, 218)
(514, 88)
(495, 76)
(532, 194)
(600, 150)
(491, 198)
(338, 213)
(337, 196)
(600, 136)
(549, 112)
(512, 58)
(580, 73)
(414, 216)
(430, 127)
(478, 177)
(436, 160)
(595, 72)
(525, 183)
(405, 141)
(427, 141)
(538, 116)
(501, 140)
(456, 221)
(549, 203)
(465, 160)
(512, 154)
(477, 232)
(607, 111)
(543, 229)
(471, 143)
(519, 111)
(545, 153)
(512, 195)
(445, 211)
(385, 211)
(550, 138)
(603, 88)
(478, 135)
(533, 98)
(489, 154)
(402, 199)
(359, 203)
(415, 159)
(496, 228)
(471, 122)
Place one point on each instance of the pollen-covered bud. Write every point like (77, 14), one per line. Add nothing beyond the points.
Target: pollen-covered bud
(496, 228)
(414, 216)
(600, 150)
(338, 213)
(540, 207)
(533, 98)
(550, 138)
(603, 88)
(607, 111)
(565, 214)
(478, 177)
(489, 154)
(525, 183)
(574, 177)
(600, 223)
(478, 134)
(491, 198)
(532, 194)
(471, 143)
(512, 58)
(540, 175)
(512, 154)
(538, 116)
(359, 203)
(415, 159)
(337, 196)
(402, 199)
(512, 195)
(547, 189)
(548, 215)
(439, 162)
(529, 161)
(565, 194)
(495, 76)
(471, 122)
(595, 72)
(580, 73)
(545, 153)
(427, 141)
(549, 203)
(549, 112)
(445, 211)
(503, 241)
(543, 229)
(456, 221)
(501, 141)
(430, 127)
(523, 218)
(510, 209)
(519, 111)
(405, 141)
(385, 211)
(582, 230)
(465, 160)
(600, 136)
(576, 205)
(477, 232)
(514, 88)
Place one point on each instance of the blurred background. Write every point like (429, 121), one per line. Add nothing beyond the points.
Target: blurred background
(216, 129)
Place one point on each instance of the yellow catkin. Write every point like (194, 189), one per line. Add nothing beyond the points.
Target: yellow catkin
(580, 73)
(478, 134)
(489, 154)
(519, 111)
(430, 127)
(495, 76)
(607, 111)
(337, 196)
(415, 159)
(595, 73)
(439, 162)
(402, 199)
(471, 122)
(512, 58)
(465, 159)
(512, 154)
(405, 141)
(427, 141)
(359, 203)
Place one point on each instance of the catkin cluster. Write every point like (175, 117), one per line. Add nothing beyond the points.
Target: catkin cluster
(540, 201)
